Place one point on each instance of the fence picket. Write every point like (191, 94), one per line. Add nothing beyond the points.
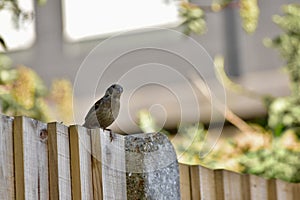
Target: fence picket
(81, 163)
(287, 191)
(31, 159)
(7, 178)
(211, 184)
(195, 182)
(261, 188)
(236, 186)
(97, 164)
(113, 167)
(185, 184)
(59, 162)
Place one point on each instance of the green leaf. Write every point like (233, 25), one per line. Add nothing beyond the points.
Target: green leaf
(279, 130)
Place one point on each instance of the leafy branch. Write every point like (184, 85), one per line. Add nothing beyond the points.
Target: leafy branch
(22, 92)
(193, 15)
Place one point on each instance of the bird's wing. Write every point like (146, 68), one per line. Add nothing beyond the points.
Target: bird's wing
(93, 109)
(91, 120)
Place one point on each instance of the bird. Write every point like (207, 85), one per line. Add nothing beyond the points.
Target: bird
(104, 112)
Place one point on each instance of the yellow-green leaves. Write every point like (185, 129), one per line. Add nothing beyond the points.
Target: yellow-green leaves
(22, 92)
(288, 44)
(24, 87)
(61, 94)
(291, 20)
(249, 12)
(193, 19)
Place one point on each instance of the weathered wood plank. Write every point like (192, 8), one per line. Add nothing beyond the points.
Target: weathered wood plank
(236, 186)
(7, 188)
(97, 163)
(185, 184)
(261, 188)
(195, 182)
(211, 184)
(287, 191)
(272, 189)
(59, 162)
(81, 163)
(113, 166)
(219, 185)
(31, 159)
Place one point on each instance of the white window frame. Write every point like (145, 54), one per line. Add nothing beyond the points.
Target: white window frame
(17, 38)
(90, 19)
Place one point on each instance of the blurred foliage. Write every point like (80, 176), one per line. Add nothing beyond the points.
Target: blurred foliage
(194, 15)
(22, 92)
(249, 12)
(193, 18)
(227, 152)
(256, 153)
(260, 152)
(284, 112)
(189, 143)
(61, 94)
(288, 43)
(281, 160)
(273, 163)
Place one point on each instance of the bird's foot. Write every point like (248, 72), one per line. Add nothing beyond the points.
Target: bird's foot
(110, 134)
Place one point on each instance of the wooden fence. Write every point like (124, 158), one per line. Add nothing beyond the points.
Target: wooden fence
(53, 161)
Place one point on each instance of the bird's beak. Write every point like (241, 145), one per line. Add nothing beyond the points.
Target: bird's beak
(120, 90)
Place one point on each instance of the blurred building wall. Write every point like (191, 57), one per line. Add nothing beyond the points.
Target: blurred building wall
(53, 57)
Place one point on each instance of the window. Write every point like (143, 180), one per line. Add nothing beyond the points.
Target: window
(94, 18)
(17, 38)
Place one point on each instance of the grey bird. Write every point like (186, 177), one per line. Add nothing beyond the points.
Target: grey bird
(104, 112)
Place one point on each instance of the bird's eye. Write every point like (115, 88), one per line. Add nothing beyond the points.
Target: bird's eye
(110, 90)
(97, 105)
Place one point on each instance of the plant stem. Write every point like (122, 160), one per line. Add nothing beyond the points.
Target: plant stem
(224, 109)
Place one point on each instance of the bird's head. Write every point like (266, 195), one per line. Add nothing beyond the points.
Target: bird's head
(114, 90)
